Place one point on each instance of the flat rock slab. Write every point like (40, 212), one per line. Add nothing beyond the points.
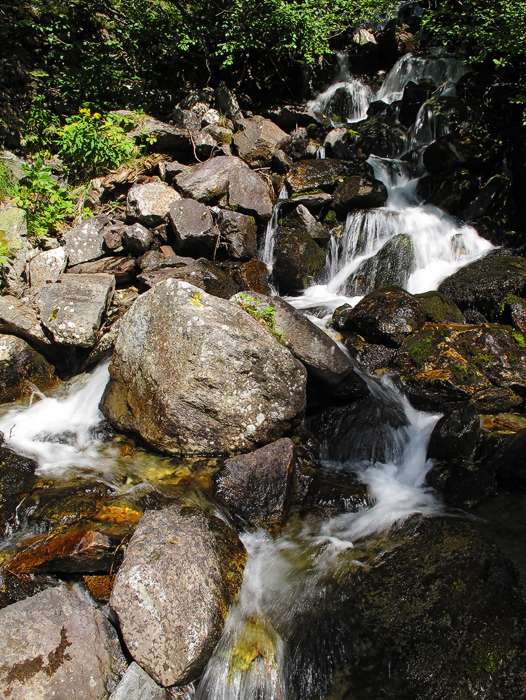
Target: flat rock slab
(181, 572)
(57, 645)
(72, 308)
(85, 241)
(19, 317)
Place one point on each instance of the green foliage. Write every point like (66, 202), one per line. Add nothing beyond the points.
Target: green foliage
(7, 184)
(4, 253)
(489, 29)
(264, 313)
(49, 205)
(90, 144)
(41, 126)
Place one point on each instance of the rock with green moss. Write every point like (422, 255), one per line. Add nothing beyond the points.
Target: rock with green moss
(181, 573)
(15, 247)
(379, 135)
(316, 174)
(445, 363)
(438, 309)
(329, 368)
(431, 611)
(484, 285)
(299, 260)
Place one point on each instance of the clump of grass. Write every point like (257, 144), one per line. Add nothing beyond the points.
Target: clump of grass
(264, 313)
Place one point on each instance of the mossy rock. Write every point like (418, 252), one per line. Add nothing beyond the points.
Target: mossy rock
(438, 309)
(299, 260)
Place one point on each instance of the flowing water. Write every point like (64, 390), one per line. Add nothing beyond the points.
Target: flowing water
(63, 432)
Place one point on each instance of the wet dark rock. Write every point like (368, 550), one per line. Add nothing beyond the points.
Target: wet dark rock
(289, 117)
(72, 309)
(86, 241)
(252, 275)
(515, 312)
(445, 363)
(181, 572)
(281, 163)
(123, 269)
(320, 232)
(332, 491)
(308, 175)
(340, 143)
(137, 239)
(386, 316)
(222, 384)
(22, 369)
(14, 587)
(452, 192)
(193, 227)
(58, 644)
(510, 462)
(328, 366)
(257, 141)
(391, 266)
(379, 136)
(17, 475)
(359, 192)
(299, 260)
(167, 138)
(438, 309)
(238, 234)
(256, 486)
(370, 356)
(415, 94)
(228, 181)
(301, 145)
(149, 203)
(484, 284)
(362, 431)
(462, 147)
(438, 613)
(201, 273)
(455, 435)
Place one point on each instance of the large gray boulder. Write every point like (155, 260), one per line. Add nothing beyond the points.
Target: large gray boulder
(195, 374)
(181, 572)
(229, 181)
(149, 203)
(72, 308)
(86, 241)
(57, 645)
(193, 226)
(325, 361)
(21, 369)
(256, 142)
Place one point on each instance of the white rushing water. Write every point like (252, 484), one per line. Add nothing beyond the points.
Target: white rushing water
(59, 431)
(344, 101)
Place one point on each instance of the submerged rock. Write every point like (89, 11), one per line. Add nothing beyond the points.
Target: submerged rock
(22, 369)
(256, 486)
(443, 364)
(181, 572)
(57, 644)
(194, 374)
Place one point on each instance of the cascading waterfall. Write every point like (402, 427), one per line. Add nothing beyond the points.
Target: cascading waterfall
(345, 101)
(60, 432)
(267, 249)
(402, 243)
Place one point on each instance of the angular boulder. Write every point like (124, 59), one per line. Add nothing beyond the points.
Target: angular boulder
(86, 241)
(19, 317)
(13, 236)
(46, 267)
(315, 174)
(57, 644)
(123, 269)
(238, 234)
(136, 684)
(181, 572)
(201, 273)
(229, 181)
(17, 475)
(359, 192)
(194, 374)
(149, 203)
(256, 486)
(72, 308)
(391, 266)
(137, 239)
(166, 138)
(256, 142)
(298, 259)
(193, 227)
(438, 309)
(22, 369)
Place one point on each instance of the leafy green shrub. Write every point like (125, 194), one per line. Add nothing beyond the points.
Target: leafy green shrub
(7, 184)
(41, 126)
(49, 205)
(91, 144)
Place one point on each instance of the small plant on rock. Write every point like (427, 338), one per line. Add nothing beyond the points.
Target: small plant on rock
(264, 313)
